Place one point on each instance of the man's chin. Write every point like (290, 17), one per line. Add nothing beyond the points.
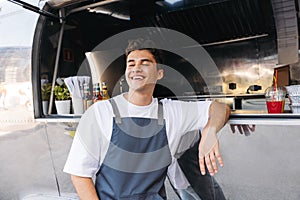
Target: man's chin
(142, 88)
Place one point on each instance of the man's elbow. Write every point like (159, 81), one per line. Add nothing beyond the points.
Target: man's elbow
(221, 109)
(225, 110)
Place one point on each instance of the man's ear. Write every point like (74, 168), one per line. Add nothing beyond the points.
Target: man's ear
(160, 74)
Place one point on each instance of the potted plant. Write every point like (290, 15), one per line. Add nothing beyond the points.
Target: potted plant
(46, 91)
(62, 99)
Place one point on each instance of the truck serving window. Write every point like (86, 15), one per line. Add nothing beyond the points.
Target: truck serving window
(241, 40)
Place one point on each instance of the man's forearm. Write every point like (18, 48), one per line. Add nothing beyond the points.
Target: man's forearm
(85, 188)
(218, 116)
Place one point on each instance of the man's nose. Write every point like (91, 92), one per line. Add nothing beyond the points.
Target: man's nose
(137, 67)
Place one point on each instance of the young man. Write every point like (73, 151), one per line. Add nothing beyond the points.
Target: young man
(127, 143)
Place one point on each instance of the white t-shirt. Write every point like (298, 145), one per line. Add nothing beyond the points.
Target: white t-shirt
(92, 138)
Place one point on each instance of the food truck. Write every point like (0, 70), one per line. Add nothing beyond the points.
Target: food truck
(232, 51)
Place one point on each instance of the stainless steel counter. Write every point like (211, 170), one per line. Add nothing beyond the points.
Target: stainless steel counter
(236, 117)
(60, 118)
(263, 118)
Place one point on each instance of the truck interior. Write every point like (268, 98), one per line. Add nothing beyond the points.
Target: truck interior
(248, 35)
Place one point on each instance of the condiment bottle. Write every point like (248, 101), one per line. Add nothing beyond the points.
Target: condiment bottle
(105, 94)
(87, 100)
(97, 95)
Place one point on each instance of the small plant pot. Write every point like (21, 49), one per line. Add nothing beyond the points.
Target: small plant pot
(63, 107)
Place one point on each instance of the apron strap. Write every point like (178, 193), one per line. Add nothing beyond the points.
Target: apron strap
(116, 111)
(160, 114)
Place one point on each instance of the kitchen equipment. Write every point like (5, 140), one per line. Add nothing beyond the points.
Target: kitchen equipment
(294, 96)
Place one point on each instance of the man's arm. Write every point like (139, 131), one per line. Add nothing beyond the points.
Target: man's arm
(85, 188)
(209, 150)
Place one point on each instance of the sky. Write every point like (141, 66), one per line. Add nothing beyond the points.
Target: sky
(17, 24)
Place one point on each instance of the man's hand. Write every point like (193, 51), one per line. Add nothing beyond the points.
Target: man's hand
(210, 160)
(209, 152)
(245, 129)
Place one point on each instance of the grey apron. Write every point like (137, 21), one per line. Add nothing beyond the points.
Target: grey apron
(135, 166)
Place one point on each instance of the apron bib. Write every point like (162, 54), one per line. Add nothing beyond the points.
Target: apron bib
(135, 166)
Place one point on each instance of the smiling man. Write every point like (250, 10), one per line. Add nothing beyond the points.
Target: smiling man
(127, 143)
(141, 75)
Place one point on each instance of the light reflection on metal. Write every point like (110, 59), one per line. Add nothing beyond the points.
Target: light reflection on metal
(172, 1)
(90, 6)
(235, 40)
(246, 75)
(249, 62)
(110, 13)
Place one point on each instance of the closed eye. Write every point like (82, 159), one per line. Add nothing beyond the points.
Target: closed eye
(146, 62)
(143, 62)
(130, 63)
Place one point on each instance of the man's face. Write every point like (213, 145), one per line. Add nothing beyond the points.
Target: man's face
(141, 70)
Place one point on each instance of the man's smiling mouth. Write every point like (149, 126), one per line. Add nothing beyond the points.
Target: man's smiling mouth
(137, 78)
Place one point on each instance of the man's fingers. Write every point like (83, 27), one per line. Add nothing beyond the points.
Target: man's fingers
(240, 129)
(209, 165)
(202, 165)
(213, 162)
(210, 161)
(232, 126)
(246, 130)
(243, 128)
(219, 158)
(209, 154)
(252, 128)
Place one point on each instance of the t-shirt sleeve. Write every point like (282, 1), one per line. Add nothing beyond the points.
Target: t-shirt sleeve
(80, 162)
(186, 116)
(84, 156)
(196, 114)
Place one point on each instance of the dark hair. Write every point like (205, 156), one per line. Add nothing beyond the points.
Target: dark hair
(144, 44)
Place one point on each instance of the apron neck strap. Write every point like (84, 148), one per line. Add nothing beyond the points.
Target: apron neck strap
(160, 113)
(116, 111)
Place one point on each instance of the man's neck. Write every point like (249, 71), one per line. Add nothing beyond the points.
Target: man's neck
(138, 98)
